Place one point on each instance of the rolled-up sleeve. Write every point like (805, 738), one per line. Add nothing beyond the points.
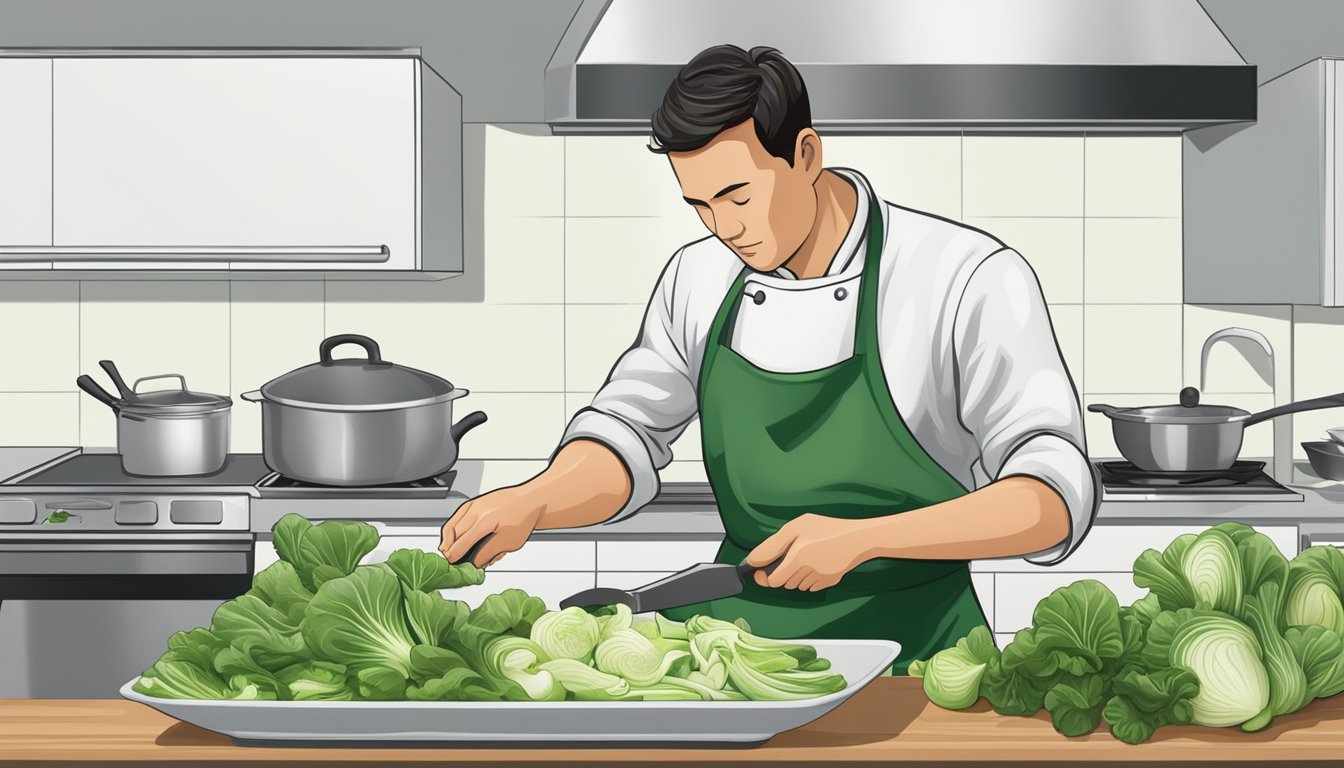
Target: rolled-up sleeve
(648, 399)
(1015, 393)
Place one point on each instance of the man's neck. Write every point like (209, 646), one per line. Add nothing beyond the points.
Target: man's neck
(837, 205)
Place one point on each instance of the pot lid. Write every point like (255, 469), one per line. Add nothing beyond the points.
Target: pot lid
(178, 401)
(1179, 414)
(358, 383)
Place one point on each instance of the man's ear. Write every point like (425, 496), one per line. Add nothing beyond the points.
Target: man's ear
(807, 153)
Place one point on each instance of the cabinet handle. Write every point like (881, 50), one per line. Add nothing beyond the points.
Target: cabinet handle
(321, 254)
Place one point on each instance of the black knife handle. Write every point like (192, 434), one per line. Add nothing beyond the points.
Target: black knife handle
(745, 569)
(476, 548)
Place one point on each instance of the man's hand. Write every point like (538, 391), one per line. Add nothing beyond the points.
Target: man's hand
(509, 513)
(817, 551)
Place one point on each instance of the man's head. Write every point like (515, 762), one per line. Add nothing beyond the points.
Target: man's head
(737, 128)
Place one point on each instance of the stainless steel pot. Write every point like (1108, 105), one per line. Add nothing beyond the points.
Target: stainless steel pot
(1190, 436)
(171, 432)
(359, 421)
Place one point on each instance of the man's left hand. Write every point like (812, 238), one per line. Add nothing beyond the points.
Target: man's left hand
(817, 551)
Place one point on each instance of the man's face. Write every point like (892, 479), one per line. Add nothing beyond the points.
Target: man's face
(756, 203)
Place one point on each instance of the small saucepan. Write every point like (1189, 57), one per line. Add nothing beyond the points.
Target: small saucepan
(1191, 436)
(166, 433)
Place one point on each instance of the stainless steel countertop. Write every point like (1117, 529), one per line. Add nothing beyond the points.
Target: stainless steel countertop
(15, 460)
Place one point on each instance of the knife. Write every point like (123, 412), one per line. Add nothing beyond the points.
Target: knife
(700, 582)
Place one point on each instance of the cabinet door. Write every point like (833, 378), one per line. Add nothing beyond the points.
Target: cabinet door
(307, 153)
(25, 155)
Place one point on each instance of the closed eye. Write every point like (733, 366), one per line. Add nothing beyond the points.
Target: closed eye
(744, 202)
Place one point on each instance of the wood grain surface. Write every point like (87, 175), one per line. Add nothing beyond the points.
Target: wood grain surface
(890, 721)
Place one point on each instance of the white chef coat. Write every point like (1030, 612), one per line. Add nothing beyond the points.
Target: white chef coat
(964, 338)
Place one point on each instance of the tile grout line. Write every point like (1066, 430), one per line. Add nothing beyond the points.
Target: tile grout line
(1082, 375)
(564, 273)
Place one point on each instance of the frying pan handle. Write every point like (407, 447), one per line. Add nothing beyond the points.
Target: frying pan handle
(1316, 403)
(86, 383)
(328, 344)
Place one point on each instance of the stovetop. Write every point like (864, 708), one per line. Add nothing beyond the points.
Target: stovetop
(242, 473)
(1244, 481)
(104, 469)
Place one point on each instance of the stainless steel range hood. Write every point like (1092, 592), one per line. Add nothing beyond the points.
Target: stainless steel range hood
(884, 66)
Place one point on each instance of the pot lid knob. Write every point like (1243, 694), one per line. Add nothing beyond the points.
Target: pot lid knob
(1189, 397)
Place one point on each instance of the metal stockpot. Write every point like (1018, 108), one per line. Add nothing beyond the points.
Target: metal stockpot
(359, 421)
(168, 433)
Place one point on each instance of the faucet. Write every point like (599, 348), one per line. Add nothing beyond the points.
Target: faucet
(1236, 333)
(1283, 437)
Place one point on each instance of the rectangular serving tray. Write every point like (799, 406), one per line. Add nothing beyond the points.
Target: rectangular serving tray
(521, 723)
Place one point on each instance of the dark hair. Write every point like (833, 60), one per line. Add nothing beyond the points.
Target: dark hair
(725, 86)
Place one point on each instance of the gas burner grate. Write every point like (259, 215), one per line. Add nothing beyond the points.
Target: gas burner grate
(276, 485)
(1243, 477)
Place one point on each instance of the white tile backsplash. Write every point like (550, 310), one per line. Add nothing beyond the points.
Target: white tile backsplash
(44, 418)
(39, 325)
(920, 172)
(1134, 261)
(1133, 176)
(1133, 348)
(619, 176)
(595, 337)
(524, 259)
(525, 168)
(1022, 176)
(486, 347)
(1052, 246)
(619, 260)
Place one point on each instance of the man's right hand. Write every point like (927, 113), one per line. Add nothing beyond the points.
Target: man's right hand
(510, 514)
(585, 484)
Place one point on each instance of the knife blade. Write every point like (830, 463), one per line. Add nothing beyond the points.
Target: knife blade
(700, 582)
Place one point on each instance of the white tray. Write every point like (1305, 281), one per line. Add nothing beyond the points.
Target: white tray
(568, 723)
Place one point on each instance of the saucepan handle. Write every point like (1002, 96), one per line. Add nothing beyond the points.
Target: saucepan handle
(1102, 408)
(1316, 403)
(253, 397)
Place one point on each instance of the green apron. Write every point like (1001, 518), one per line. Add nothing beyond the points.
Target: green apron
(829, 442)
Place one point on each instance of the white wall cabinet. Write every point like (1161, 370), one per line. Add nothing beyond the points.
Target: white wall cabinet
(25, 155)
(245, 163)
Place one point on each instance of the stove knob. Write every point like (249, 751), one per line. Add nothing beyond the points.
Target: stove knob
(137, 513)
(18, 512)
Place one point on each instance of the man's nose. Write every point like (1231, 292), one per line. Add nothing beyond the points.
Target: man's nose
(729, 230)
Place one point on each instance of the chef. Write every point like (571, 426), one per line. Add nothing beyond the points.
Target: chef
(880, 393)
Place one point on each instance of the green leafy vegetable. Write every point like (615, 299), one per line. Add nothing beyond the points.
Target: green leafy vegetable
(359, 620)
(1230, 633)
(952, 676)
(318, 626)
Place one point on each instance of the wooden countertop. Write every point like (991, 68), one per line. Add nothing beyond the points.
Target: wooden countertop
(889, 721)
